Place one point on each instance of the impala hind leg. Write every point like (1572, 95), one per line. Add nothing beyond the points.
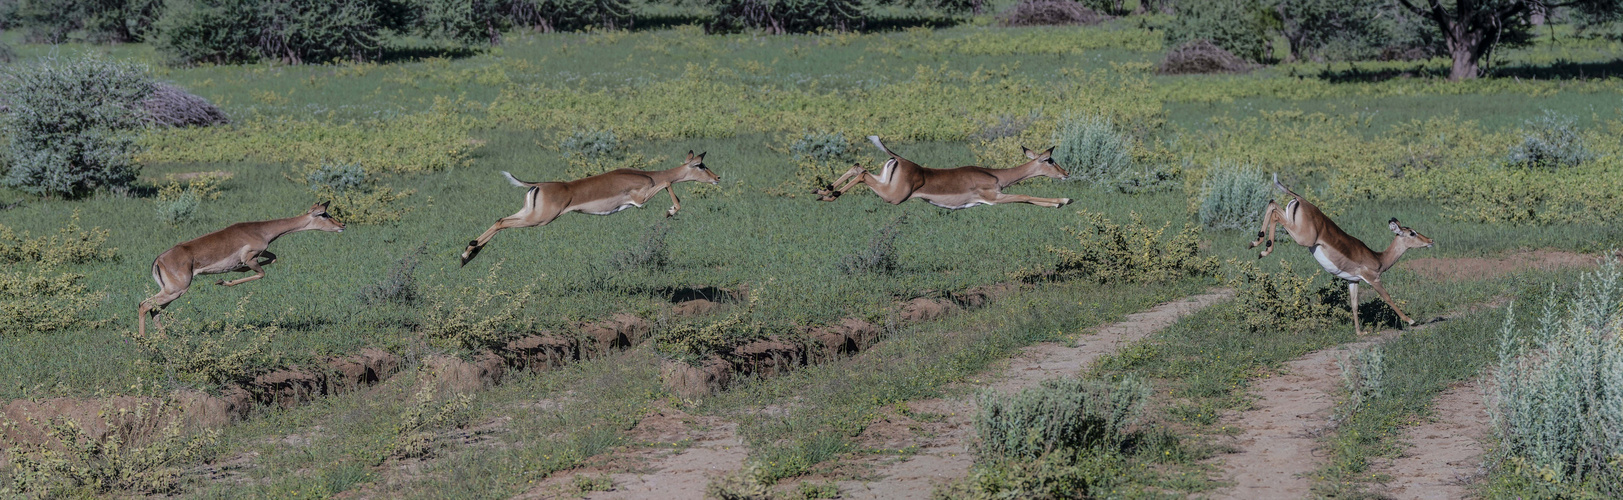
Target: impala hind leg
(1352, 296)
(251, 265)
(153, 306)
(1271, 217)
(1020, 198)
(479, 244)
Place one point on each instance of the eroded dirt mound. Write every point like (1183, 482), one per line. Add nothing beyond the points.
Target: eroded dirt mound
(1463, 268)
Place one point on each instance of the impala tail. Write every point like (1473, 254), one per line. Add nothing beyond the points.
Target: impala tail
(1282, 187)
(880, 145)
(515, 180)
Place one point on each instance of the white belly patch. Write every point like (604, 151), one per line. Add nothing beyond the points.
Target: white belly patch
(1330, 267)
(957, 207)
(617, 209)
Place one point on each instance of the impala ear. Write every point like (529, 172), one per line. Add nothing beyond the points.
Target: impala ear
(1394, 226)
(690, 154)
(318, 207)
(1049, 151)
(1029, 153)
(701, 156)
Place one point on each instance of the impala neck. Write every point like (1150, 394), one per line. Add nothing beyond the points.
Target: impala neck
(668, 176)
(1390, 256)
(1008, 176)
(272, 229)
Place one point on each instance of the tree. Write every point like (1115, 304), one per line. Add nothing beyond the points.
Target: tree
(1472, 28)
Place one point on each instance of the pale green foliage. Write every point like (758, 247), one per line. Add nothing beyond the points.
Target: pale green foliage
(1134, 253)
(1233, 196)
(592, 144)
(1363, 376)
(1063, 414)
(1090, 149)
(1071, 474)
(218, 351)
(821, 147)
(179, 210)
(1557, 403)
(37, 299)
(137, 456)
(1550, 142)
(1284, 300)
(178, 201)
(880, 254)
(1238, 26)
(414, 434)
(338, 177)
(650, 251)
(745, 484)
(478, 316)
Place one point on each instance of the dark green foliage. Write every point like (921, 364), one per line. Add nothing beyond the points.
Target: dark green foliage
(570, 15)
(787, 16)
(650, 252)
(1067, 474)
(462, 21)
(6, 54)
(96, 21)
(1330, 30)
(338, 177)
(1550, 142)
(880, 256)
(1069, 413)
(399, 285)
(1241, 27)
(71, 125)
(292, 31)
(1049, 13)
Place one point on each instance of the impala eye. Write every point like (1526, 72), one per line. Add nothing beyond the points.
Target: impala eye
(324, 215)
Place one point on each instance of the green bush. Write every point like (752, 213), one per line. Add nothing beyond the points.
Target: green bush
(572, 15)
(1233, 196)
(72, 125)
(1090, 149)
(592, 144)
(219, 352)
(294, 31)
(483, 315)
(1135, 253)
(787, 16)
(74, 463)
(1285, 301)
(37, 299)
(179, 210)
(1063, 414)
(1241, 27)
(1558, 391)
(94, 21)
(821, 147)
(414, 434)
(466, 22)
(71, 245)
(1550, 142)
(1085, 473)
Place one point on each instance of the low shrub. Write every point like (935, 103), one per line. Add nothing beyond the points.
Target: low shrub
(880, 254)
(1063, 414)
(1087, 473)
(414, 434)
(178, 209)
(819, 158)
(1363, 376)
(172, 106)
(380, 205)
(1201, 57)
(1557, 398)
(483, 315)
(1240, 27)
(650, 252)
(1233, 196)
(70, 245)
(1003, 126)
(178, 200)
(744, 484)
(73, 463)
(572, 15)
(37, 299)
(787, 16)
(1135, 253)
(219, 351)
(399, 284)
(821, 147)
(1550, 142)
(72, 124)
(7, 54)
(1049, 13)
(591, 144)
(1090, 149)
(1149, 178)
(1285, 301)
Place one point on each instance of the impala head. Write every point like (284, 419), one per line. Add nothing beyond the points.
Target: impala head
(1044, 162)
(1406, 237)
(694, 169)
(321, 220)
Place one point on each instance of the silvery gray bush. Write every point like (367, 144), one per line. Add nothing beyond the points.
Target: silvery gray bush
(1090, 149)
(72, 124)
(1068, 413)
(1550, 142)
(1233, 196)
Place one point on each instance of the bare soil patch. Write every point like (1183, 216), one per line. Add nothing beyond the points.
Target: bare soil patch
(660, 473)
(1463, 268)
(1446, 451)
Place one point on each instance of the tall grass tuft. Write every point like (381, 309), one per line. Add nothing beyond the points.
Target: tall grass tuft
(399, 284)
(880, 254)
(1069, 413)
(650, 252)
(1557, 400)
(1550, 142)
(1233, 196)
(1090, 149)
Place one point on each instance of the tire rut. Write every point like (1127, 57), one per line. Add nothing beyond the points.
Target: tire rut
(1446, 451)
(944, 455)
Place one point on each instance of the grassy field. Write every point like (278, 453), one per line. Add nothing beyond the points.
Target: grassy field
(443, 128)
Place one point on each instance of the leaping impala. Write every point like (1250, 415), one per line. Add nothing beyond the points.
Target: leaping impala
(952, 188)
(601, 194)
(234, 249)
(1339, 253)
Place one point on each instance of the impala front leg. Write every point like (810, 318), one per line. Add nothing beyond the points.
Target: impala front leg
(251, 263)
(675, 203)
(831, 192)
(1041, 202)
(1376, 284)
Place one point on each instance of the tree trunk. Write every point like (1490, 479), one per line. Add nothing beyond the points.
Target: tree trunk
(1465, 62)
